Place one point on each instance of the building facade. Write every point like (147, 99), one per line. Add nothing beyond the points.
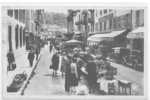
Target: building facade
(13, 25)
(105, 21)
(136, 36)
(17, 25)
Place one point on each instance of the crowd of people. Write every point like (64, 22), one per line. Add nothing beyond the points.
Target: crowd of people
(80, 69)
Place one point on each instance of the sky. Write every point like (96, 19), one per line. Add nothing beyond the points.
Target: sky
(56, 10)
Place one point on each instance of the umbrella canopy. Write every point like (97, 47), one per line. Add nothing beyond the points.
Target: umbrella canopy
(72, 42)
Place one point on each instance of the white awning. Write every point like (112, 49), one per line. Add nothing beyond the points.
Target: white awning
(73, 41)
(77, 32)
(121, 12)
(105, 36)
(136, 33)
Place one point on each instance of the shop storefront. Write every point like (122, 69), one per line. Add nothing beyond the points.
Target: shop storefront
(136, 39)
(136, 46)
(103, 41)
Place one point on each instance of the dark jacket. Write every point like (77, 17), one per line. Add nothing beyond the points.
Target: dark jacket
(91, 69)
(55, 61)
(31, 55)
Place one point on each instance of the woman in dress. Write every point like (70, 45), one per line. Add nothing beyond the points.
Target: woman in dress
(74, 75)
(55, 63)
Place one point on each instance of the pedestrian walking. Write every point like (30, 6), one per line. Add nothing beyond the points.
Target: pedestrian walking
(50, 47)
(64, 63)
(11, 61)
(55, 63)
(31, 57)
(67, 74)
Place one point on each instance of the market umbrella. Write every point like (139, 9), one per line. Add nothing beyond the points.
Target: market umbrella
(70, 42)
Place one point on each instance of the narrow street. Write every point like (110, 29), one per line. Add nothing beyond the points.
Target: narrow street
(80, 40)
(42, 82)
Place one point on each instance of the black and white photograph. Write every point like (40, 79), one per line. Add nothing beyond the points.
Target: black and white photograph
(73, 50)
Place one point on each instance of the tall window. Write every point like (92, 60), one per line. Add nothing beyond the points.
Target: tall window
(20, 36)
(16, 13)
(24, 37)
(105, 26)
(10, 37)
(10, 12)
(96, 27)
(110, 24)
(16, 36)
(137, 18)
(140, 18)
(101, 12)
(101, 27)
(110, 10)
(105, 11)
